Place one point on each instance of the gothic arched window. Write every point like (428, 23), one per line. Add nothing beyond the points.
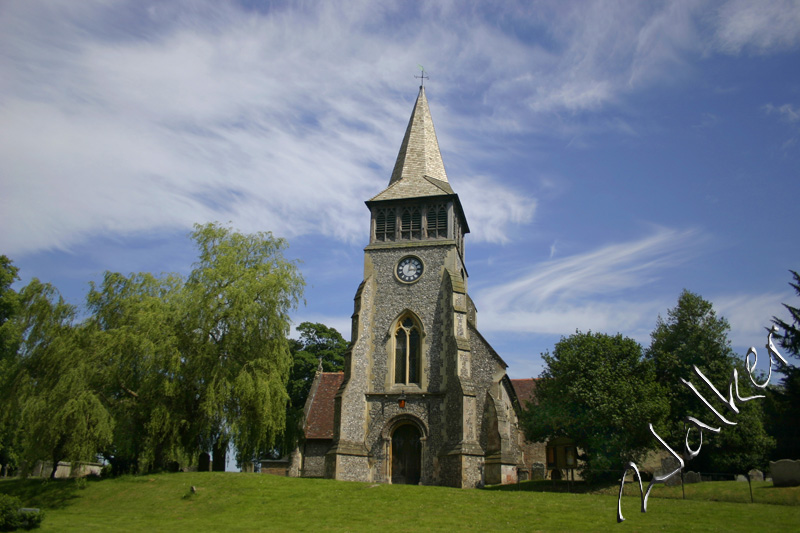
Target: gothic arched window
(411, 223)
(385, 225)
(407, 350)
(437, 222)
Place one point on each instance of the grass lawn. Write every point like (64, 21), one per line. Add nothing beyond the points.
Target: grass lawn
(256, 502)
(716, 491)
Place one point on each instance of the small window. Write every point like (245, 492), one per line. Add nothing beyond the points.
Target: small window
(407, 348)
(437, 222)
(411, 224)
(385, 225)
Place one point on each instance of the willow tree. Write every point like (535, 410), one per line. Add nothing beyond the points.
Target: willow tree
(238, 298)
(56, 382)
(136, 323)
(9, 341)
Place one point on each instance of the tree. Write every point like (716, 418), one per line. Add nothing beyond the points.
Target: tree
(136, 324)
(783, 405)
(9, 342)
(790, 339)
(57, 384)
(693, 335)
(238, 296)
(597, 390)
(318, 344)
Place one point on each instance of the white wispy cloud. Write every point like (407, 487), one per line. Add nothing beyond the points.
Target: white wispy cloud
(594, 290)
(757, 27)
(787, 112)
(750, 315)
(121, 117)
(493, 207)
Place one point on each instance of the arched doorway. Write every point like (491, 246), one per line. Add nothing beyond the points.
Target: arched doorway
(406, 455)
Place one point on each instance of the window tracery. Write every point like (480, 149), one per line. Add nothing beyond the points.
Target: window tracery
(427, 221)
(385, 224)
(407, 350)
(436, 219)
(411, 224)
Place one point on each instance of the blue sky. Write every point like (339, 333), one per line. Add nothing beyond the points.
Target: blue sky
(607, 154)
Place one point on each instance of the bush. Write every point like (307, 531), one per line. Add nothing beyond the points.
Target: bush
(13, 518)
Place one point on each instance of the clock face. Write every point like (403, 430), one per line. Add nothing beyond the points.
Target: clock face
(409, 269)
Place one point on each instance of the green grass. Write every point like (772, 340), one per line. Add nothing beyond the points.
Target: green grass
(254, 502)
(717, 491)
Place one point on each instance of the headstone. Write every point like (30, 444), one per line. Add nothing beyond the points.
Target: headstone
(785, 473)
(204, 462)
(295, 463)
(740, 477)
(670, 464)
(691, 477)
(756, 475)
(538, 471)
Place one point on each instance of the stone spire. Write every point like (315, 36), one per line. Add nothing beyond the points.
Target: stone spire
(419, 169)
(419, 154)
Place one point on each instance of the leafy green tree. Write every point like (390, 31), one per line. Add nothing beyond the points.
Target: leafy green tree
(9, 308)
(790, 339)
(317, 344)
(136, 322)
(57, 384)
(693, 335)
(9, 342)
(597, 390)
(239, 295)
(783, 405)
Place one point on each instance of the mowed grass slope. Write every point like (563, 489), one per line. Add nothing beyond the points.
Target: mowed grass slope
(254, 502)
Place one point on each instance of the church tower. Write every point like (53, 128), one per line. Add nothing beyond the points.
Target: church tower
(425, 399)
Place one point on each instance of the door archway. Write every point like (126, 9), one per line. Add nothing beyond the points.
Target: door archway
(406, 455)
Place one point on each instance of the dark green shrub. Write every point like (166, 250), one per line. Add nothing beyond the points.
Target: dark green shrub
(9, 512)
(30, 518)
(13, 518)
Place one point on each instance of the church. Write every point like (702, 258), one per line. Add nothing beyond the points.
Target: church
(423, 399)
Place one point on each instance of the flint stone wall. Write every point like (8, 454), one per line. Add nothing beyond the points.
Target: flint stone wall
(314, 458)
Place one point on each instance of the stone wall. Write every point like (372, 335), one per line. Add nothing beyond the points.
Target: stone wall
(276, 467)
(66, 470)
(457, 376)
(314, 457)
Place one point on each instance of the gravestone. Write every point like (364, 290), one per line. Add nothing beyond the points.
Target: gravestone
(756, 475)
(740, 477)
(670, 464)
(691, 477)
(785, 473)
(538, 471)
(204, 462)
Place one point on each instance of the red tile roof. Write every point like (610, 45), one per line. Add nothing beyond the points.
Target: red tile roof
(319, 418)
(525, 389)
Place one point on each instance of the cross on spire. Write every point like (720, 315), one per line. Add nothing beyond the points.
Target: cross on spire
(422, 77)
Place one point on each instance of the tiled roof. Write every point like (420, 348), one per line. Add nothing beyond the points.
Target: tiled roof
(319, 416)
(419, 169)
(525, 389)
(414, 187)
